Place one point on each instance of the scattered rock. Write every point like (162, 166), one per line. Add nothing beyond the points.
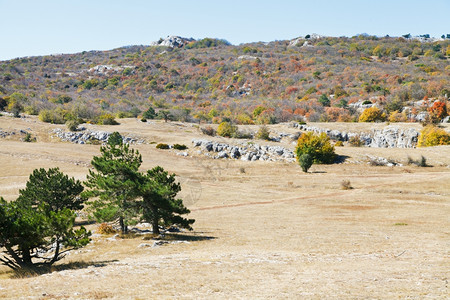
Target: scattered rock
(82, 137)
(389, 137)
(245, 151)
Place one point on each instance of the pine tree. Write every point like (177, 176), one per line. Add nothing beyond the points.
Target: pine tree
(159, 200)
(40, 220)
(115, 182)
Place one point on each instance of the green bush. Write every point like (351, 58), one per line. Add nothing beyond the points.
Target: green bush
(305, 161)
(107, 119)
(162, 146)
(179, 147)
(226, 129)
(149, 113)
(263, 133)
(318, 146)
(72, 125)
(54, 116)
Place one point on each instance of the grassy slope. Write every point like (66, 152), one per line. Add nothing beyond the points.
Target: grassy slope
(277, 232)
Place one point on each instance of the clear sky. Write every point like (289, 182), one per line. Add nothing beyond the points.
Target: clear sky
(41, 27)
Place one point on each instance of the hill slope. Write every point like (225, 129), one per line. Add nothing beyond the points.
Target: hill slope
(317, 78)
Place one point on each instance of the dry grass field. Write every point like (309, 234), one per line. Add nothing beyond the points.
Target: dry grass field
(262, 230)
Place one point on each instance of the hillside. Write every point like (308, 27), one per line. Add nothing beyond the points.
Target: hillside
(311, 78)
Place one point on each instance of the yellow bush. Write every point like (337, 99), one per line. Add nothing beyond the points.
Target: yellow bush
(397, 117)
(317, 146)
(433, 136)
(372, 114)
(226, 129)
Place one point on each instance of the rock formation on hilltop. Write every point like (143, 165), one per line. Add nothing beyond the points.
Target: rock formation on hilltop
(172, 42)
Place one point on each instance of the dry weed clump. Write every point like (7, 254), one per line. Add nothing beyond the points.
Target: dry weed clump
(105, 228)
(346, 185)
(422, 162)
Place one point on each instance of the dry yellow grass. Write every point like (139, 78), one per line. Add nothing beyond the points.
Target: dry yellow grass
(271, 232)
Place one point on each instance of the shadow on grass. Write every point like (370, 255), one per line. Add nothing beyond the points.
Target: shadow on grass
(187, 237)
(340, 159)
(194, 237)
(44, 269)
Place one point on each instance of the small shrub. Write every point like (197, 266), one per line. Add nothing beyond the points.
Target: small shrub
(355, 141)
(339, 144)
(162, 146)
(422, 162)
(107, 119)
(263, 133)
(179, 147)
(72, 125)
(433, 136)
(305, 160)
(105, 228)
(242, 170)
(242, 135)
(226, 129)
(144, 120)
(346, 185)
(208, 130)
(29, 138)
(400, 224)
(54, 116)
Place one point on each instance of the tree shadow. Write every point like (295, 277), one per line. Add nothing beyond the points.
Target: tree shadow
(188, 237)
(45, 269)
(340, 159)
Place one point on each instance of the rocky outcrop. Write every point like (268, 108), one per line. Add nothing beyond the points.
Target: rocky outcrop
(394, 137)
(108, 69)
(244, 151)
(88, 136)
(173, 42)
(389, 137)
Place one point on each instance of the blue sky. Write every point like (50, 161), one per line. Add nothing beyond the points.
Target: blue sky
(34, 27)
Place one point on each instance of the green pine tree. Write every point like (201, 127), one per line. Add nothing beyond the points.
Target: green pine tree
(114, 183)
(160, 205)
(41, 219)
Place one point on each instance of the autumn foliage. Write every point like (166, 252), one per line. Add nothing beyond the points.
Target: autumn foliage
(317, 146)
(433, 136)
(372, 114)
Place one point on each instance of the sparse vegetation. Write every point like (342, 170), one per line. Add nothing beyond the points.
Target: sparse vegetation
(263, 133)
(208, 130)
(422, 162)
(226, 129)
(346, 185)
(179, 147)
(162, 146)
